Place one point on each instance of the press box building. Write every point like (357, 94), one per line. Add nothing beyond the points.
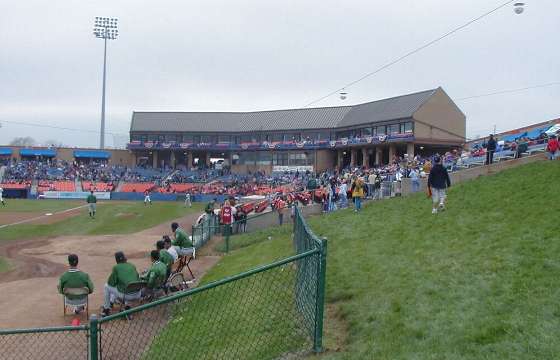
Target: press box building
(314, 139)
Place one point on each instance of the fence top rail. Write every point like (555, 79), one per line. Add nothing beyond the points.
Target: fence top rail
(317, 240)
(211, 285)
(43, 330)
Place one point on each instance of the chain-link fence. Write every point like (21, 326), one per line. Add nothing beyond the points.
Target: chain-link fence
(64, 343)
(273, 311)
(265, 313)
(202, 233)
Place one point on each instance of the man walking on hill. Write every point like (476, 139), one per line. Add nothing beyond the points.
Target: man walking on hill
(92, 201)
(438, 181)
(490, 149)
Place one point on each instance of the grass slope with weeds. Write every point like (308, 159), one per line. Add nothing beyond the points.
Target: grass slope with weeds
(108, 220)
(478, 281)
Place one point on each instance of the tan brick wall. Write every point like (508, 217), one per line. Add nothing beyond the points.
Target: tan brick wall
(324, 159)
(441, 112)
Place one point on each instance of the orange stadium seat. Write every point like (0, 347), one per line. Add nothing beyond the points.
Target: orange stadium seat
(137, 187)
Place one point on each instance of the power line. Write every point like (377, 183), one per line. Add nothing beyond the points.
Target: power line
(412, 52)
(58, 127)
(509, 91)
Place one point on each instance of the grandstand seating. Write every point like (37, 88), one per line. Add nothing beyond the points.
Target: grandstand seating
(97, 186)
(15, 186)
(45, 185)
(137, 187)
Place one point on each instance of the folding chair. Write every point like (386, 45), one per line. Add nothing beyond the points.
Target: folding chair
(83, 300)
(184, 261)
(176, 281)
(133, 292)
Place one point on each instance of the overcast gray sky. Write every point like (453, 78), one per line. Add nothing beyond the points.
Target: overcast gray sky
(226, 55)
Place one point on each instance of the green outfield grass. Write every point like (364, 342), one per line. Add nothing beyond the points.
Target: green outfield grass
(112, 218)
(478, 281)
(40, 206)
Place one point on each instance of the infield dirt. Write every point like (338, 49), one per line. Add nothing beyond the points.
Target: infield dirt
(28, 292)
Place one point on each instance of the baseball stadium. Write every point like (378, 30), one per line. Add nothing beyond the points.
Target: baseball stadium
(257, 197)
(353, 225)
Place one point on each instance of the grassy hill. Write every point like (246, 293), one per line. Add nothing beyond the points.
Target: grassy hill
(478, 281)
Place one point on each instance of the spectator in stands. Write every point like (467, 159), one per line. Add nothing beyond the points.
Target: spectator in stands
(165, 257)
(343, 194)
(552, 148)
(357, 193)
(371, 184)
(155, 276)
(280, 208)
(122, 275)
(438, 181)
(182, 244)
(74, 278)
(170, 248)
(415, 179)
(490, 149)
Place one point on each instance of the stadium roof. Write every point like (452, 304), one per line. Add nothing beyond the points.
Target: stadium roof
(400, 107)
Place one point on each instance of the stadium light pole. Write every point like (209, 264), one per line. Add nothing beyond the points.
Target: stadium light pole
(104, 28)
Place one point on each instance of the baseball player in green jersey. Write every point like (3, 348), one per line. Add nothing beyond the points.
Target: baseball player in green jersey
(165, 257)
(92, 201)
(155, 277)
(123, 273)
(182, 243)
(74, 278)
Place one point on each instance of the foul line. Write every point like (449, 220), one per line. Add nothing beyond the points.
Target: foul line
(42, 216)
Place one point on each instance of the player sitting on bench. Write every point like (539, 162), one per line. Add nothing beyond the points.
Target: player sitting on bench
(123, 274)
(165, 257)
(170, 248)
(155, 276)
(182, 243)
(74, 278)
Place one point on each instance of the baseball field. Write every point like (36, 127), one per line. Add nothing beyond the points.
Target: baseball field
(477, 281)
(37, 235)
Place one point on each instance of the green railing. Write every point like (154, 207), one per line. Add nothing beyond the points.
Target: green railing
(272, 311)
(202, 233)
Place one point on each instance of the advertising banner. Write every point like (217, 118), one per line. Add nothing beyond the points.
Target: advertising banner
(75, 195)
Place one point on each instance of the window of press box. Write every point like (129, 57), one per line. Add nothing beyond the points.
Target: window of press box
(277, 137)
(393, 129)
(264, 158)
(280, 158)
(365, 132)
(188, 138)
(301, 158)
(224, 138)
(406, 127)
(247, 158)
(381, 130)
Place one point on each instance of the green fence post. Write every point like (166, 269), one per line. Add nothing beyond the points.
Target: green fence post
(93, 350)
(320, 304)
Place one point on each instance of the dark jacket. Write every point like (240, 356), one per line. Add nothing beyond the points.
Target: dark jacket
(439, 178)
(491, 145)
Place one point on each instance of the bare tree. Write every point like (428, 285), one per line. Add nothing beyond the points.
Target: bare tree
(23, 141)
